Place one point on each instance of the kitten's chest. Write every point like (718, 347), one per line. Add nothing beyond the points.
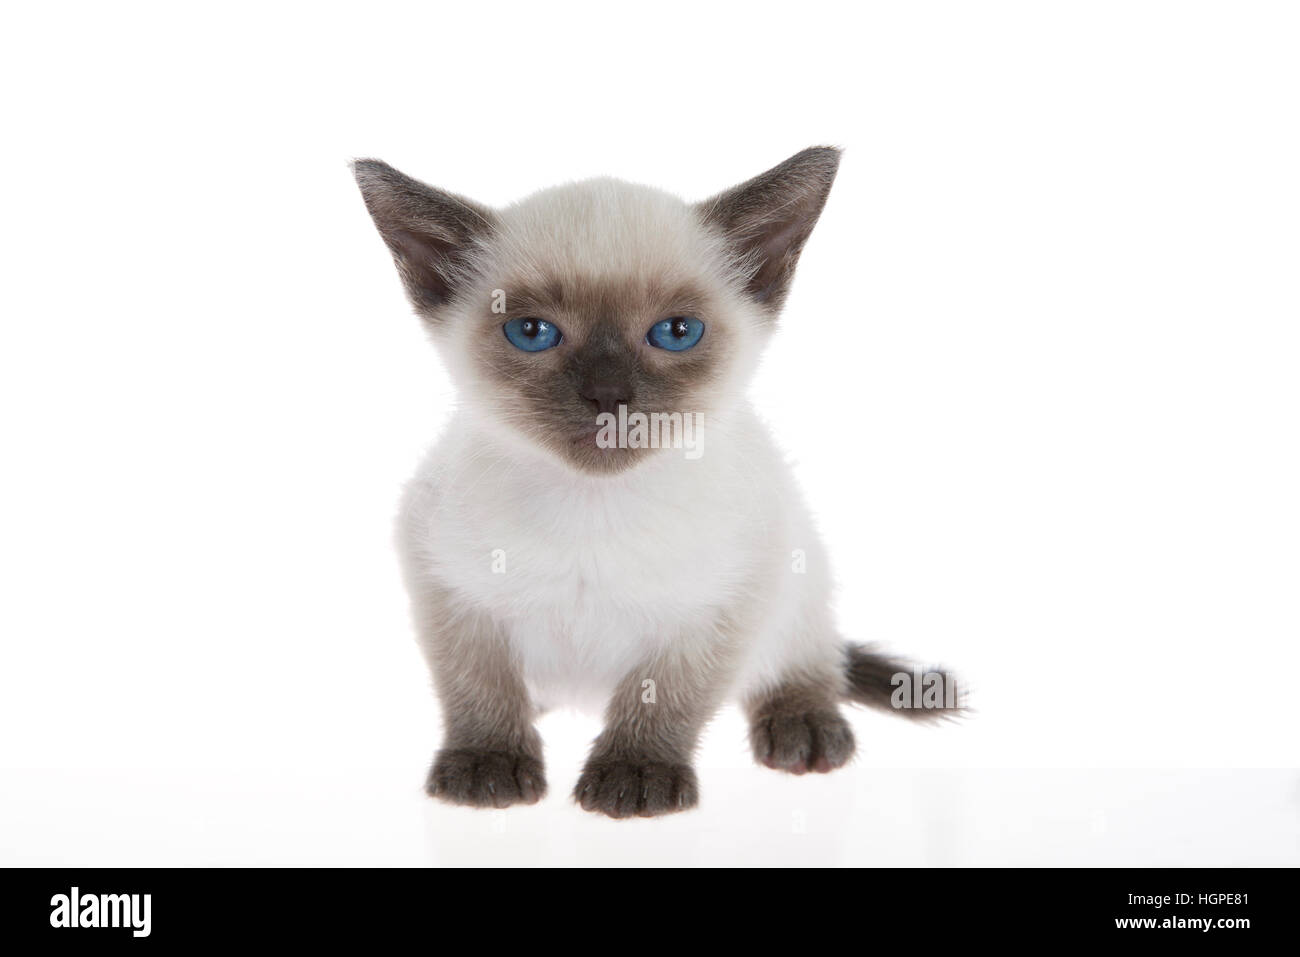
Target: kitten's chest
(599, 556)
(589, 584)
(585, 617)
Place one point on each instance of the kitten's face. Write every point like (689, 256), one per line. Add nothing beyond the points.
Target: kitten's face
(599, 297)
(596, 267)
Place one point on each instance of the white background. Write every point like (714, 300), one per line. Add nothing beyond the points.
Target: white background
(1038, 375)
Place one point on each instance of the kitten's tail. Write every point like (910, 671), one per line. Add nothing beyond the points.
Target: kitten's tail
(900, 687)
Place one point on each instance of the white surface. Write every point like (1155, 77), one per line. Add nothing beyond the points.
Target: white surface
(749, 817)
(1037, 372)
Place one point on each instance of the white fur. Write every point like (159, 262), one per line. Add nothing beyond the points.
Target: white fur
(600, 569)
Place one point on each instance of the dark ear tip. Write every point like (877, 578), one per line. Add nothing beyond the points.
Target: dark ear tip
(368, 170)
(826, 157)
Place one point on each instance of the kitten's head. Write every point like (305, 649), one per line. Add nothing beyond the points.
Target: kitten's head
(600, 294)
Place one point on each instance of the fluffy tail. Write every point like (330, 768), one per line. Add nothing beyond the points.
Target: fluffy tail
(901, 687)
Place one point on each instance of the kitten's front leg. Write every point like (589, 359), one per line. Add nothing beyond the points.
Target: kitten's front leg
(640, 765)
(492, 754)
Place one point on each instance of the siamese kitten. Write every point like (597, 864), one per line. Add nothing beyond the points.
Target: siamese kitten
(550, 565)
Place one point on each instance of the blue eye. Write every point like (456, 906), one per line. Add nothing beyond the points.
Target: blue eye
(676, 335)
(532, 335)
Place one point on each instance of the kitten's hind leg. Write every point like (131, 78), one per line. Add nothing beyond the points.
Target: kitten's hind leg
(796, 724)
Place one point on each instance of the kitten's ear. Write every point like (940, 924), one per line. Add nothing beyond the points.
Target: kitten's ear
(431, 234)
(769, 218)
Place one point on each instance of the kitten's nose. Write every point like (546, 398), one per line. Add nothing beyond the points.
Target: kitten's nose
(606, 396)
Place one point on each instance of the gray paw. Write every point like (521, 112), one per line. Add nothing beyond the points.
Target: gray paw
(486, 778)
(636, 788)
(799, 742)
